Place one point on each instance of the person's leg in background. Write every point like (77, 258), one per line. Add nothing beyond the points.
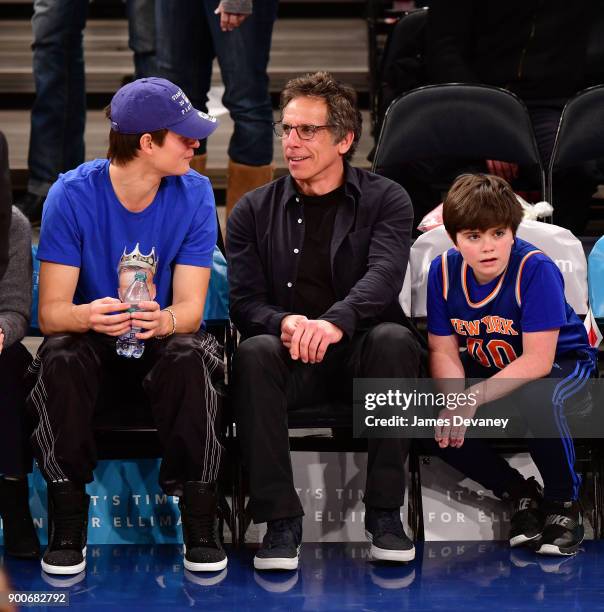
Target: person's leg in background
(141, 36)
(58, 116)
(243, 56)
(20, 538)
(184, 55)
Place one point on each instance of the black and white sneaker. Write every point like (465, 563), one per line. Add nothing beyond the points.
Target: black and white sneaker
(389, 542)
(67, 528)
(280, 548)
(202, 548)
(563, 531)
(527, 519)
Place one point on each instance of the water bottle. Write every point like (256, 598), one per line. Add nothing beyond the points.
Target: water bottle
(127, 345)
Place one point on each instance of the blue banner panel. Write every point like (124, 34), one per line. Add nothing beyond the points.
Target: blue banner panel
(127, 505)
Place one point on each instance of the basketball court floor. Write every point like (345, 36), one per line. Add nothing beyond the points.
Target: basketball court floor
(445, 576)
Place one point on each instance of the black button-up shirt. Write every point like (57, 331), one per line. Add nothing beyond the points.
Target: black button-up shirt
(369, 252)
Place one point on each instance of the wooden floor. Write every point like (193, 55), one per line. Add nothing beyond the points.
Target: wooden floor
(299, 45)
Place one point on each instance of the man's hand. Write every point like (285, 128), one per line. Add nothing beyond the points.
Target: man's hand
(149, 318)
(288, 327)
(453, 435)
(311, 338)
(100, 316)
(1, 339)
(229, 21)
(504, 170)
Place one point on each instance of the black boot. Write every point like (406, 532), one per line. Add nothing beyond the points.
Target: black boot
(203, 551)
(67, 527)
(20, 538)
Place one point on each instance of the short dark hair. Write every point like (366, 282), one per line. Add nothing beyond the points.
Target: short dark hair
(123, 147)
(341, 100)
(480, 202)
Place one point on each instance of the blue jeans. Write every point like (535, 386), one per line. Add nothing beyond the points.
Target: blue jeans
(188, 39)
(141, 36)
(58, 116)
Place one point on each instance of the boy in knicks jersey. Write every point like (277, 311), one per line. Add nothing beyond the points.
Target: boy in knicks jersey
(503, 300)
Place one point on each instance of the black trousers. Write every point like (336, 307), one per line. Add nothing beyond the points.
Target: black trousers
(177, 374)
(268, 384)
(15, 451)
(550, 444)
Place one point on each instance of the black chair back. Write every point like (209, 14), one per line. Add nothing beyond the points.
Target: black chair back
(456, 121)
(580, 136)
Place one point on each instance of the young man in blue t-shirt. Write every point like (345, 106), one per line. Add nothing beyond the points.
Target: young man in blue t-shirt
(142, 207)
(503, 300)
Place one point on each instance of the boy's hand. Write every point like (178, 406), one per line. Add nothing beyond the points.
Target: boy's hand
(453, 434)
(148, 318)
(105, 316)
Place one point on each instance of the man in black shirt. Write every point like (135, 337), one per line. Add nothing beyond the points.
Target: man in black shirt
(317, 260)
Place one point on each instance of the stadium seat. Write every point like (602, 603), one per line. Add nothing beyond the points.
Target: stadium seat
(556, 242)
(456, 123)
(580, 136)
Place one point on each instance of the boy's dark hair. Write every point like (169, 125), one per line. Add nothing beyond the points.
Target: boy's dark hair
(123, 147)
(480, 202)
(341, 100)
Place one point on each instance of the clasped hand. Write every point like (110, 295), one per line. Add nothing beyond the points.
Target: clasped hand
(307, 339)
(111, 317)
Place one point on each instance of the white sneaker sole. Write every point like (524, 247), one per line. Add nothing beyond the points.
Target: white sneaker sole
(384, 554)
(62, 570)
(277, 563)
(203, 567)
(399, 556)
(519, 540)
(550, 549)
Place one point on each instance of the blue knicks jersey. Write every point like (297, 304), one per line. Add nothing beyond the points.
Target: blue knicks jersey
(490, 319)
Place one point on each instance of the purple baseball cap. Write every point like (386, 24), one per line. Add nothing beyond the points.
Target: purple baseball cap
(151, 104)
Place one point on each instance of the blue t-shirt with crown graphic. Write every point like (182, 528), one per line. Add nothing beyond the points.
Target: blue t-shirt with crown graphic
(84, 225)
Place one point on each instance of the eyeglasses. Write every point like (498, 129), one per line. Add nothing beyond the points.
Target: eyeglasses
(305, 132)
